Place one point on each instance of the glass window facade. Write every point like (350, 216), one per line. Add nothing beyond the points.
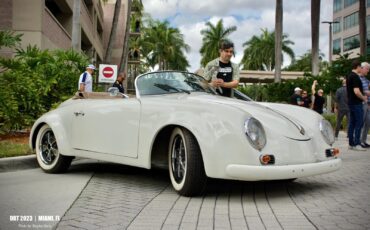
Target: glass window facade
(368, 34)
(351, 43)
(336, 46)
(338, 5)
(337, 27)
(350, 21)
(348, 3)
(368, 3)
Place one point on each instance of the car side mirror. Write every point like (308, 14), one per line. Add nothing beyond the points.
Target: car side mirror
(113, 91)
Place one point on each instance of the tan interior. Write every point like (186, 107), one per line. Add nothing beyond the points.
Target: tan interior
(98, 95)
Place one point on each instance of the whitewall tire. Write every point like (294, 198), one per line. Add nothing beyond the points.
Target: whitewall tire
(47, 152)
(185, 163)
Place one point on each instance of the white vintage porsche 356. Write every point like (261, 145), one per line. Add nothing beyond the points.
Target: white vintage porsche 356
(177, 120)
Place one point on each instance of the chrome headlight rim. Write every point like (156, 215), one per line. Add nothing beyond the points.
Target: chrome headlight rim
(255, 133)
(327, 131)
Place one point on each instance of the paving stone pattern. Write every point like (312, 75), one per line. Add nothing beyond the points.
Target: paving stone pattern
(145, 199)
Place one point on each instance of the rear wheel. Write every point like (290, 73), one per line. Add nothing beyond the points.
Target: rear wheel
(186, 164)
(47, 152)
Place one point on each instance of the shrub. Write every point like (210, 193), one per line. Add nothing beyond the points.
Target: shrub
(34, 81)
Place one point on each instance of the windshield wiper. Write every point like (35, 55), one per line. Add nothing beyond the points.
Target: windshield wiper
(168, 88)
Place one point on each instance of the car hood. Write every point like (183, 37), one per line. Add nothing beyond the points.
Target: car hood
(270, 118)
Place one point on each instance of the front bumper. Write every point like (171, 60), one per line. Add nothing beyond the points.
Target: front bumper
(276, 172)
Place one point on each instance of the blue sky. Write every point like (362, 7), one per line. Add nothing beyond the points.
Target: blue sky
(249, 16)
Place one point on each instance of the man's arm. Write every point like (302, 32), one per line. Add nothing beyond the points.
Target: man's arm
(313, 88)
(358, 93)
(231, 84)
(82, 87)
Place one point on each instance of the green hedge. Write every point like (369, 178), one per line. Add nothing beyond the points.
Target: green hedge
(35, 81)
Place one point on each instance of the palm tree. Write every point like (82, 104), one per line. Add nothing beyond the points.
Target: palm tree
(315, 30)
(278, 39)
(259, 53)
(212, 36)
(113, 32)
(164, 46)
(362, 25)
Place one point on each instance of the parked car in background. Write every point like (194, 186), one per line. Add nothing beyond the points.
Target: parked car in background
(176, 120)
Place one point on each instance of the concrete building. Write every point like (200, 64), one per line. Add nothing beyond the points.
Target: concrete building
(48, 25)
(346, 38)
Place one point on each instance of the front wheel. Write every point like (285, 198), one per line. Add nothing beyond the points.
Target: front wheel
(186, 164)
(47, 152)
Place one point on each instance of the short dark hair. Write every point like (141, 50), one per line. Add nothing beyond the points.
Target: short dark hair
(355, 64)
(225, 44)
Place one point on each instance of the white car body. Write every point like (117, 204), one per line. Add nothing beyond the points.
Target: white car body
(125, 131)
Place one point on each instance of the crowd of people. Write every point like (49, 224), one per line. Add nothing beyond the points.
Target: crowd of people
(315, 102)
(352, 100)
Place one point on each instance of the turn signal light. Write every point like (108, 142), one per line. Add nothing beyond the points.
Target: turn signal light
(333, 152)
(267, 159)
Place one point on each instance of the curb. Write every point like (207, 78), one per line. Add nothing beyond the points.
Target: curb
(18, 163)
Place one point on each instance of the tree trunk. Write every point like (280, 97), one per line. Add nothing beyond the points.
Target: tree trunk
(278, 39)
(362, 25)
(315, 31)
(123, 63)
(76, 26)
(113, 32)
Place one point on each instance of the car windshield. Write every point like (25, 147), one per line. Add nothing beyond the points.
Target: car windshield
(157, 83)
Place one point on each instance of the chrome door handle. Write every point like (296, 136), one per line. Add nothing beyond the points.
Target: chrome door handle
(79, 113)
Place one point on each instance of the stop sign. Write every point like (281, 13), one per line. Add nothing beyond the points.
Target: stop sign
(108, 72)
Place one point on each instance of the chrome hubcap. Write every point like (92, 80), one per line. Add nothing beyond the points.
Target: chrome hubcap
(178, 159)
(48, 148)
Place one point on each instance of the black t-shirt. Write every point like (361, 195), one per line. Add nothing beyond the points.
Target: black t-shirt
(295, 98)
(318, 104)
(119, 86)
(307, 101)
(225, 73)
(353, 81)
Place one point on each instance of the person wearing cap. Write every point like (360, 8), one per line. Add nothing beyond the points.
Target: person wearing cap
(296, 98)
(221, 73)
(86, 80)
(319, 100)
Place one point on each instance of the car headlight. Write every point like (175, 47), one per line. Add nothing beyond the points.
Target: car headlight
(255, 133)
(327, 131)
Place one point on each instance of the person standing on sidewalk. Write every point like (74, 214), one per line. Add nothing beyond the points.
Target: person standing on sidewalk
(355, 99)
(341, 106)
(319, 100)
(296, 98)
(365, 86)
(86, 81)
(119, 82)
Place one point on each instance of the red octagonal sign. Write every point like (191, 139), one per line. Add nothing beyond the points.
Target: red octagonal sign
(108, 72)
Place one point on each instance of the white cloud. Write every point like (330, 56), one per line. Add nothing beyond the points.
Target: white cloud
(249, 16)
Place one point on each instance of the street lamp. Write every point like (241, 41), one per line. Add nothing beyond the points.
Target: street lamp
(330, 38)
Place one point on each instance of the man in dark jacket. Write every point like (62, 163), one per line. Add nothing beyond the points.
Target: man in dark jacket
(341, 106)
(119, 82)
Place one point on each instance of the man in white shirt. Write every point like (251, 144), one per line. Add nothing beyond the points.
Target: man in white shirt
(86, 80)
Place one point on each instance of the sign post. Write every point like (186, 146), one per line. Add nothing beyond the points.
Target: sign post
(107, 73)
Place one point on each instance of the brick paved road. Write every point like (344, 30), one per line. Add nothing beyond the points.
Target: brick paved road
(119, 197)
